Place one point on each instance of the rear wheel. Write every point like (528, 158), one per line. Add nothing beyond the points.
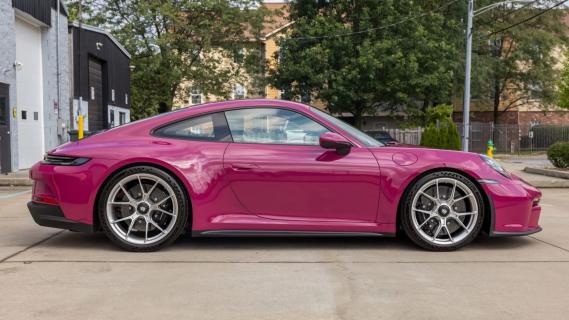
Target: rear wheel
(143, 209)
(443, 211)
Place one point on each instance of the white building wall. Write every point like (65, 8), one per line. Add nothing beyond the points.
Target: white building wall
(56, 116)
(29, 92)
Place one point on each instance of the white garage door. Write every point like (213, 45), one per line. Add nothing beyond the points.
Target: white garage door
(29, 94)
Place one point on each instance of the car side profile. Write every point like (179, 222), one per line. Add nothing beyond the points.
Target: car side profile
(271, 167)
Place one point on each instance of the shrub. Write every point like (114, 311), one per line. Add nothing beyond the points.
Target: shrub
(558, 154)
(445, 134)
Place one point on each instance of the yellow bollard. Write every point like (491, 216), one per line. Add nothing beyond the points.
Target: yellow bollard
(490, 149)
(80, 133)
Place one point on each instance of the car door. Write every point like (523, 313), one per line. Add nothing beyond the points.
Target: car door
(277, 169)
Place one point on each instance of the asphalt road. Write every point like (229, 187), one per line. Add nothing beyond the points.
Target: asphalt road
(51, 274)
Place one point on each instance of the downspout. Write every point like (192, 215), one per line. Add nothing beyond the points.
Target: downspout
(61, 139)
(57, 62)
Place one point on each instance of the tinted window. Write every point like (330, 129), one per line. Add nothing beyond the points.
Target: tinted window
(211, 127)
(355, 133)
(272, 125)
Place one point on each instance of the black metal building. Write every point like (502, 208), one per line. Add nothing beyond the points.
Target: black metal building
(101, 78)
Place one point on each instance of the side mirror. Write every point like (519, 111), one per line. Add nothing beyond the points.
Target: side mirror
(331, 140)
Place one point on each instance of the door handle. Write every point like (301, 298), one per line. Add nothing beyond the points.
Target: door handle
(243, 166)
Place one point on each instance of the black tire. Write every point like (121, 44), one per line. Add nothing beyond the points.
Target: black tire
(180, 224)
(406, 212)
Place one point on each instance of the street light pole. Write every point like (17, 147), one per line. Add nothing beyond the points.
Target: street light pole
(466, 102)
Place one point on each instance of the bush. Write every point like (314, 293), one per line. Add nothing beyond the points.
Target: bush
(445, 134)
(558, 154)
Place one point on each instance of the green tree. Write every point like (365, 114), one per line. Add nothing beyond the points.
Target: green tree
(174, 42)
(375, 60)
(517, 66)
(563, 85)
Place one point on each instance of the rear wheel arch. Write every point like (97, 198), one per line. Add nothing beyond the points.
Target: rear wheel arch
(487, 224)
(96, 222)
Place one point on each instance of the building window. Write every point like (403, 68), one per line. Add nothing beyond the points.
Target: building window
(3, 110)
(36, 116)
(122, 118)
(126, 98)
(238, 92)
(113, 95)
(24, 115)
(112, 118)
(92, 93)
(196, 96)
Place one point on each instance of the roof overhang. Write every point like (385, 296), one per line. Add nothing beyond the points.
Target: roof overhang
(101, 31)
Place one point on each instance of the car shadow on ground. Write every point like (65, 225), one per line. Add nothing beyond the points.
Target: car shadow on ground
(98, 241)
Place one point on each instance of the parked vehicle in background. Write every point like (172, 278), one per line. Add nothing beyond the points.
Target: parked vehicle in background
(383, 137)
(271, 167)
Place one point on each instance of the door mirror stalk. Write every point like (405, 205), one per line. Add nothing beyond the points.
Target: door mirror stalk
(331, 140)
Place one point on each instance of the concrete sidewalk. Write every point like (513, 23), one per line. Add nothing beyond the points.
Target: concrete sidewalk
(516, 166)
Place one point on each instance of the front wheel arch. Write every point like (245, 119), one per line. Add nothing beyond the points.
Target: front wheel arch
(487, 224)
(97, 223)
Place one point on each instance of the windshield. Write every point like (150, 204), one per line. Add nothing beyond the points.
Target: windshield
(353, 132)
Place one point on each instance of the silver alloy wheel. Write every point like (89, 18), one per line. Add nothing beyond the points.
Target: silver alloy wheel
(142, 209)
(444, 211)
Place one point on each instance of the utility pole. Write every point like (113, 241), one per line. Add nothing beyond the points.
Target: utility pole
(468, 64)
(466, 101)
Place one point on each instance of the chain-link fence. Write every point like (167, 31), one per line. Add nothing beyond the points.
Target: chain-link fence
(507, 138)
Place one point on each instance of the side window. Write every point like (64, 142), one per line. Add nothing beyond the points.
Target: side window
(211, 127)
(274, 126)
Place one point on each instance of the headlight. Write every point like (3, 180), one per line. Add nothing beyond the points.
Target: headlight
(64, 160)
(496, 166)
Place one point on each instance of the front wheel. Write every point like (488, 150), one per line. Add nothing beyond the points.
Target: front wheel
(143, 209)
(443, 211)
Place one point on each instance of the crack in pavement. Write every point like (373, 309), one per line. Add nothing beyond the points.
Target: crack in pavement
(551, 244)
(13, 195)
(31, 246)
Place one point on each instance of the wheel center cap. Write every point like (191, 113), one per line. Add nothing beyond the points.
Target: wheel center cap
(444, 211)
(143, 208)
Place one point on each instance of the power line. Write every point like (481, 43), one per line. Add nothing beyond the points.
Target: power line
(377, 28)
(525, 20)
(509, 13)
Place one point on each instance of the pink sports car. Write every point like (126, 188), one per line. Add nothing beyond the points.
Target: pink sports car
(270, 167)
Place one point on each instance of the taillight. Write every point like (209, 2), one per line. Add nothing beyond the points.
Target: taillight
(64, 160)
(44, 199)
(536, 202)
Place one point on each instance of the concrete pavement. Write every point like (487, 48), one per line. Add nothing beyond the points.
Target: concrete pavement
(51, 274)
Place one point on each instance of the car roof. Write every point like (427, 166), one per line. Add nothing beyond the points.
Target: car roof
(249, 103)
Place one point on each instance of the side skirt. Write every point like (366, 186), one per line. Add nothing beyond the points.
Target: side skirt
(269, 233)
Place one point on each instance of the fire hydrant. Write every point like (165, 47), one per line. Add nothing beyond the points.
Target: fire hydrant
(490, 148)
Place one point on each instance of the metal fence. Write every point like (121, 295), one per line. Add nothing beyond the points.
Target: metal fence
(514, 138)
(407, 136)
(507, 138)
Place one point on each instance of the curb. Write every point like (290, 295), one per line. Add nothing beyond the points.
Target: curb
(547, 172)
(15, 182)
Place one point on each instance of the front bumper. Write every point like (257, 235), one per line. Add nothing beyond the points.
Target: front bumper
(515, 211)
(51, 216)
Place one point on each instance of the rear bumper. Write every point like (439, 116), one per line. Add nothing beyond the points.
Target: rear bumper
(51, 216)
